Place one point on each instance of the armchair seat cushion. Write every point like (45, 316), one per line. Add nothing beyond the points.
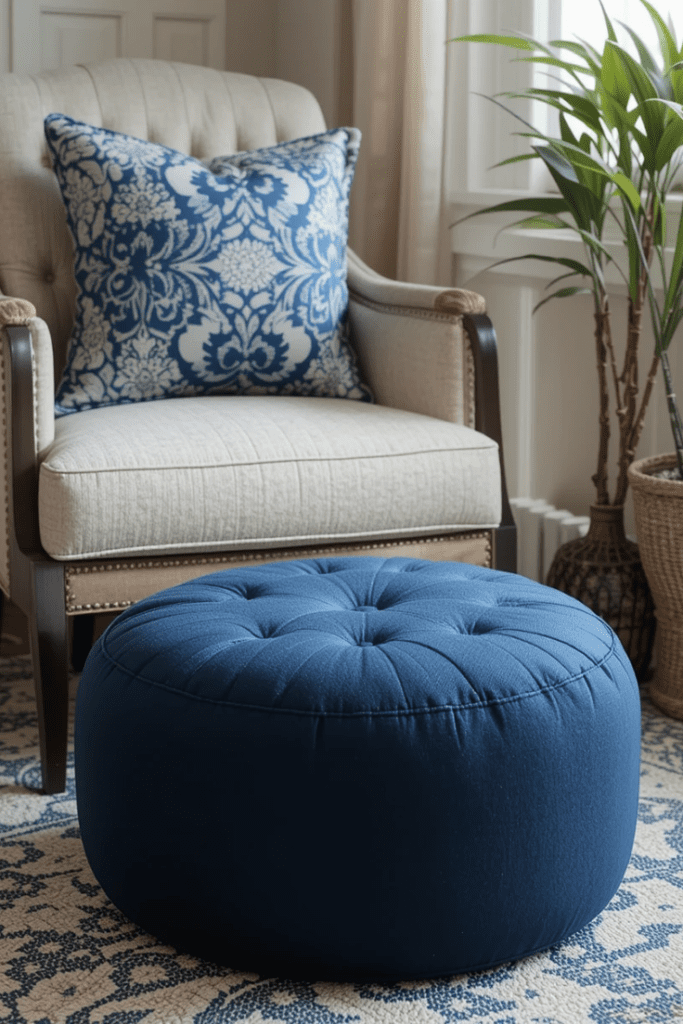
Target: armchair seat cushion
(217, 473)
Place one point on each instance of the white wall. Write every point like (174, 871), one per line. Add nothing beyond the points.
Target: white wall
(314, 49)
(549, 391)
(301, 41)
(4, 36)
(251, 37)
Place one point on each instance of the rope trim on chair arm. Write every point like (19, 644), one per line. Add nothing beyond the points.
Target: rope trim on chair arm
(459, 301)
(444, 315)
(15, 312)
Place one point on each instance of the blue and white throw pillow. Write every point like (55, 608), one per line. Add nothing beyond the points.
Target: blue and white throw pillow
(227, 279)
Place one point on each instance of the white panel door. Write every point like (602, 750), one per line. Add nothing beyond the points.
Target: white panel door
(49, 34)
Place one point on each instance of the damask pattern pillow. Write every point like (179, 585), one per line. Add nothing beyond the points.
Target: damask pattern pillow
(227, 279)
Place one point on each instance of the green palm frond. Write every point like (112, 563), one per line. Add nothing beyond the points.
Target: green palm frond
(620, 147)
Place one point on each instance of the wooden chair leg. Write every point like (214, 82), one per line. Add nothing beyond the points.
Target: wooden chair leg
(505, 548)
(81, 640)
(50, 658)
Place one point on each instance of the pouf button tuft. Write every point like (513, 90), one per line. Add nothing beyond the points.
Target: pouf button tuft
(253, 791)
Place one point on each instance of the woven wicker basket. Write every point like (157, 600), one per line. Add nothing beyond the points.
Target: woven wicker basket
(658, 505)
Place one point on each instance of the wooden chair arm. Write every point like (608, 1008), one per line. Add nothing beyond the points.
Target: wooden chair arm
(487, 420)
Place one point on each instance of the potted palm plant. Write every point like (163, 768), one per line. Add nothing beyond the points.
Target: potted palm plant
(615, 161)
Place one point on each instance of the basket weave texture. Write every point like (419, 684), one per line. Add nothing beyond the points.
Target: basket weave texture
(604, 571)
(658, 506)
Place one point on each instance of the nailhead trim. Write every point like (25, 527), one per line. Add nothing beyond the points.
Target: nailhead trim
(34, 375)
(469, 370)
(238, 556)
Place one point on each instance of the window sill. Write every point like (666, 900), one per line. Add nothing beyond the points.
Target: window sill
(482, 241)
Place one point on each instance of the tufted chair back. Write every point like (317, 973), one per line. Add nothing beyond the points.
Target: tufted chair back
(196, 110)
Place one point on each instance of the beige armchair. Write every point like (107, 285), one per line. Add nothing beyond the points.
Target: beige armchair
(102, 510)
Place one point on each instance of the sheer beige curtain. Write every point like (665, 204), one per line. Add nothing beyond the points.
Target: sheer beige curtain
(399, 86)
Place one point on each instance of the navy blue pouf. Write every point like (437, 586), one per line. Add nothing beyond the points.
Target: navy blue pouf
(358, 768)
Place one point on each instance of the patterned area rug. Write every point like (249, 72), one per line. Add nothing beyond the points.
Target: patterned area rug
(67, 956)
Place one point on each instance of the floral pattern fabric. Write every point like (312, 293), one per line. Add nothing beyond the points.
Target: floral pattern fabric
(226, 279)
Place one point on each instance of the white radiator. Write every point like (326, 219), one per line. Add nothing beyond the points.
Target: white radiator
(541, 529)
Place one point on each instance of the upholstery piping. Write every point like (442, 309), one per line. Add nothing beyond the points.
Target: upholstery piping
(297, 461)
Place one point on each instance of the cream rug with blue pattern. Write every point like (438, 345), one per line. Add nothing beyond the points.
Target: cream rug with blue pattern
(67, 956)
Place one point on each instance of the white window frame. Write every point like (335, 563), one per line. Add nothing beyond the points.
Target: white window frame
(483, 135)
(479, 133)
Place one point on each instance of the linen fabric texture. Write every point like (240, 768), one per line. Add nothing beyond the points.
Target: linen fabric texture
(215, 473)
(358, 768)
(227, 279)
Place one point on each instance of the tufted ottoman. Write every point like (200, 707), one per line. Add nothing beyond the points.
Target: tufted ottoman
(358, 768)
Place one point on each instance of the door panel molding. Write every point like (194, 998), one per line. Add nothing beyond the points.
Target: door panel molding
(182, 39)
(47, 34)
(69, 37)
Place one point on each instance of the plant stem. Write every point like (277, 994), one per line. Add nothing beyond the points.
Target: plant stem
(620, 408)
(600, 476)
(627, 414)
(631, 421)
(632, 442)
